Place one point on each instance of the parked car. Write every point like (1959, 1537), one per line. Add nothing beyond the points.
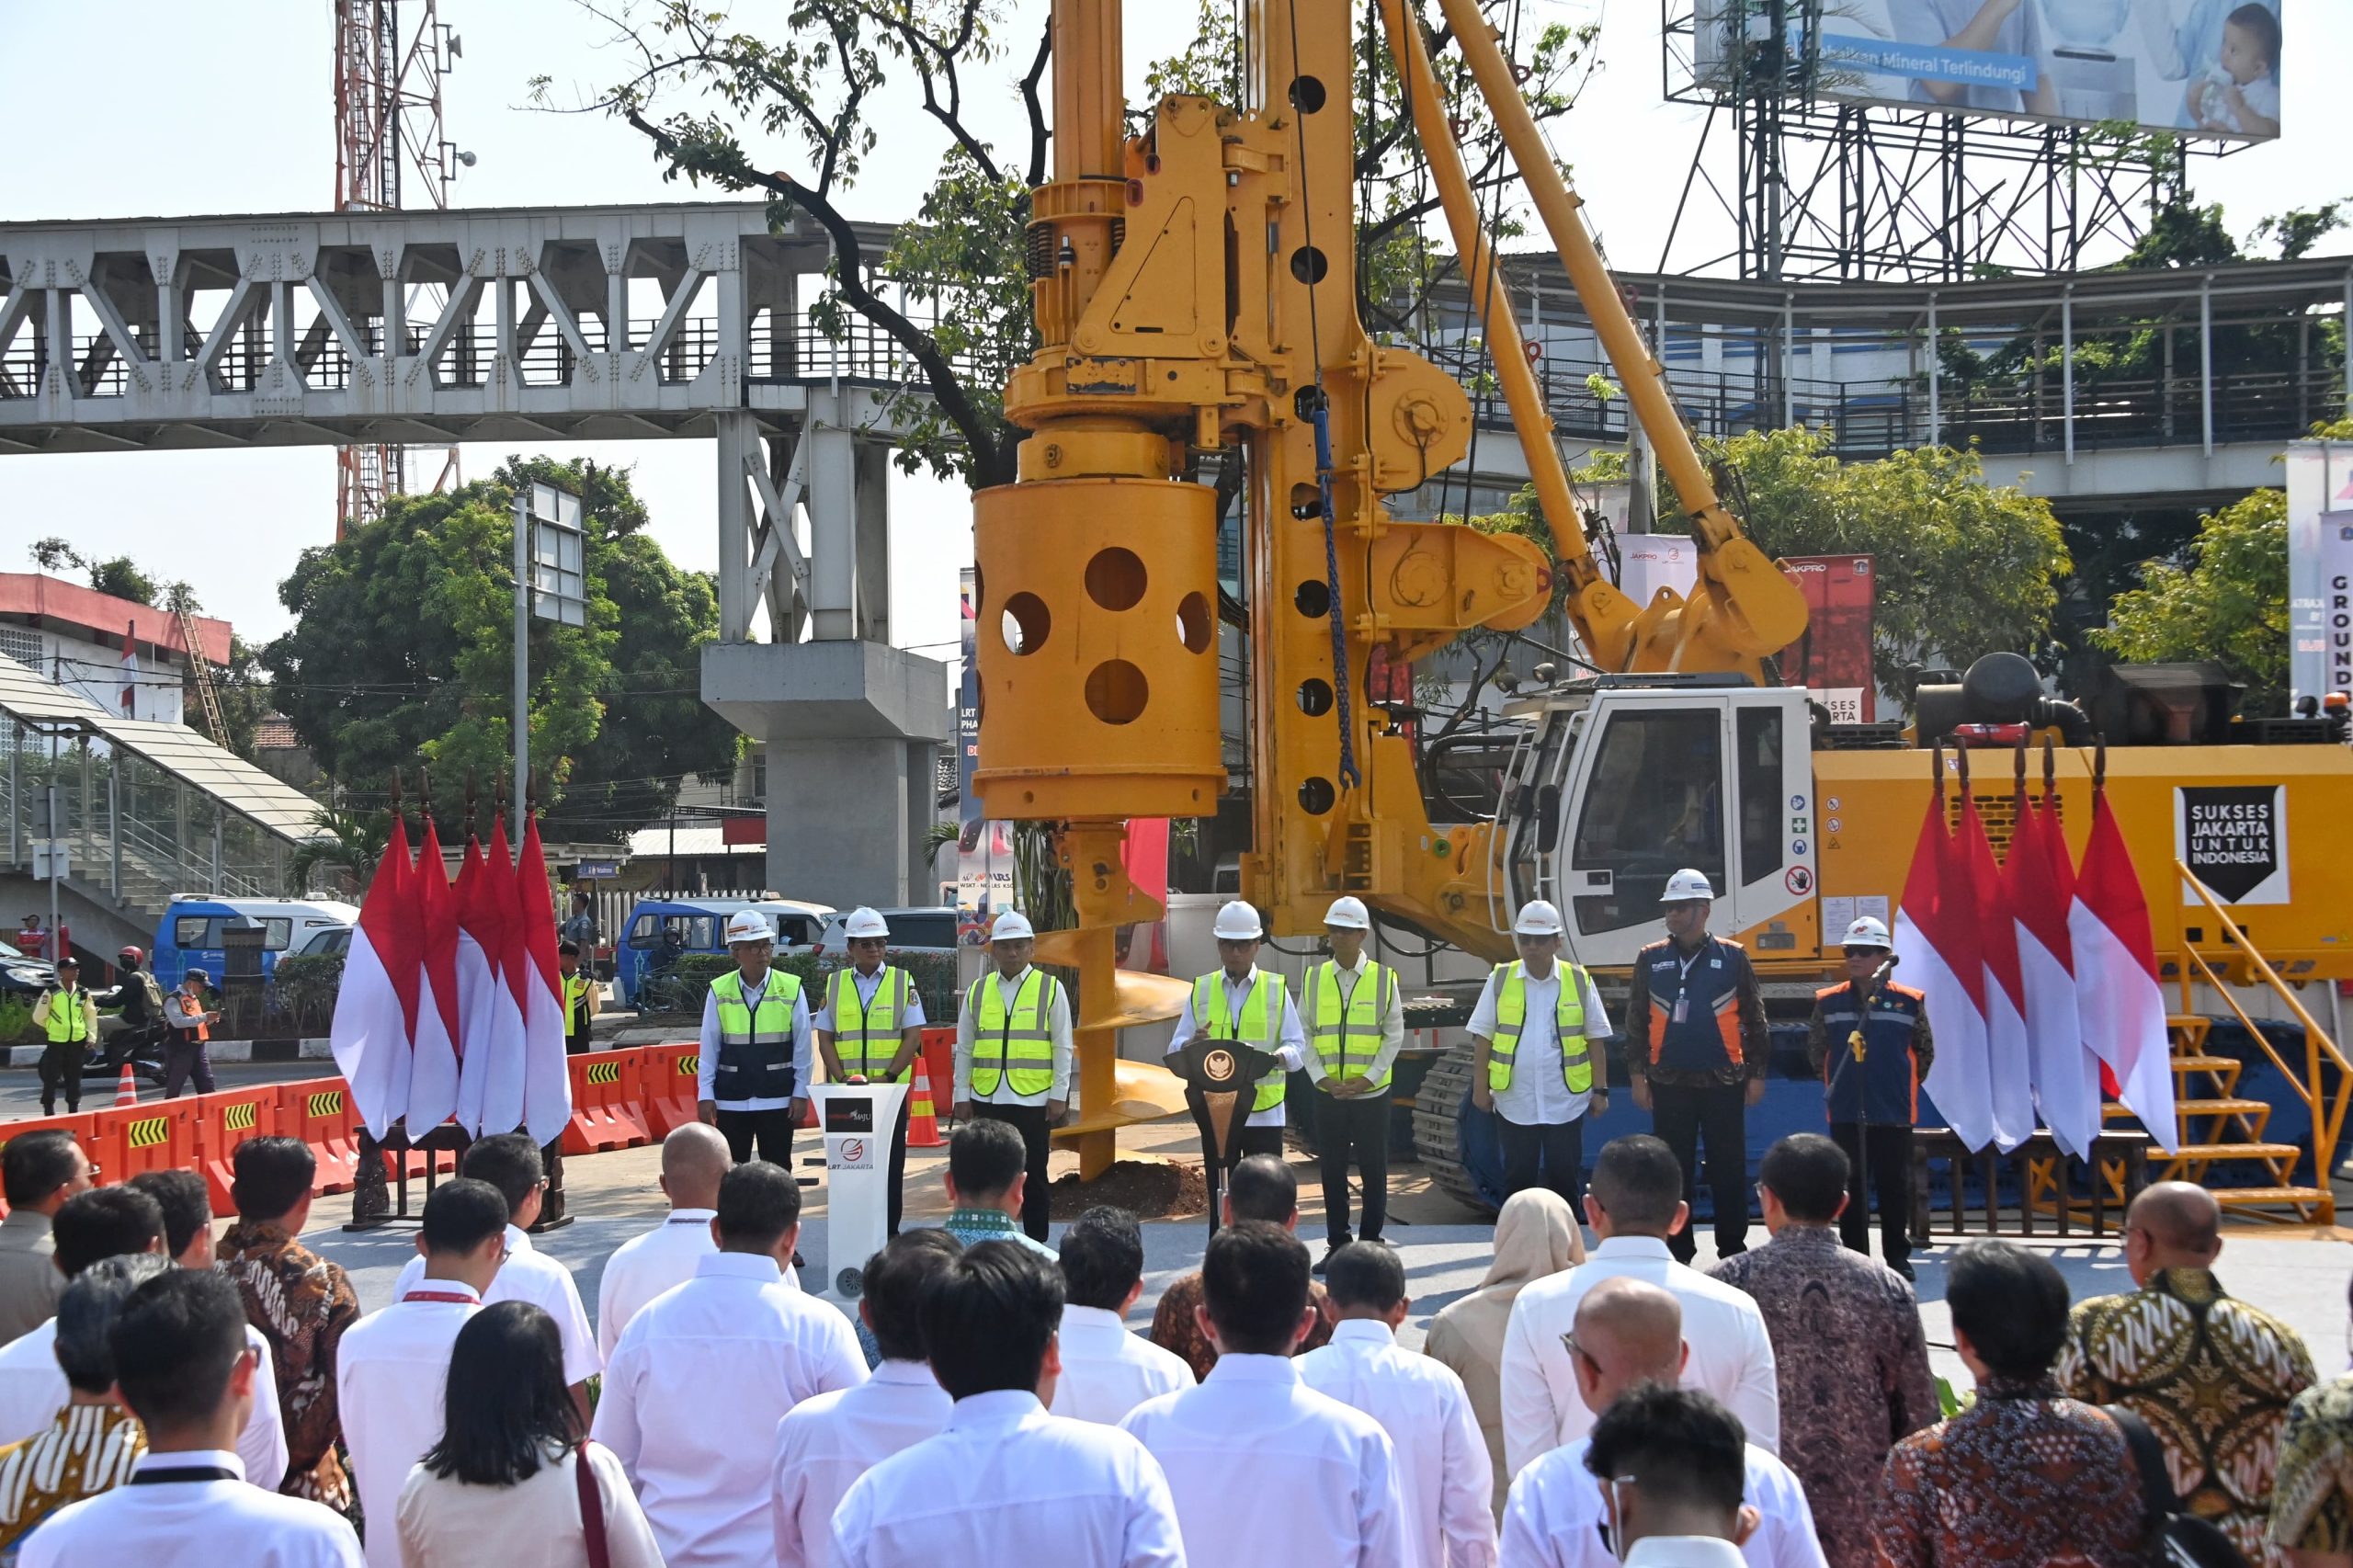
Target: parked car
(331, 942)
(660, 931)
(22, 975)
(190, 935)
(931, 926)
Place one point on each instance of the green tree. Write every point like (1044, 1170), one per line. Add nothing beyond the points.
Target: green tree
(402, 655)
(2226, 601)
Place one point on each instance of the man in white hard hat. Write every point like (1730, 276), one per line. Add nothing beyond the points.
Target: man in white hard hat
(1354, 1016)
(1698, 1047)
(1013, 1054)
(1537, 1057)
(1243, 1003)
(870, 1028)
(752, 1082)
(1869, 1040)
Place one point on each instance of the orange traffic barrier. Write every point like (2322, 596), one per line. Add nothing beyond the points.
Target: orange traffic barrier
(137, 1139)
(934, 1080)
(318, 1112)
(224, 1120)
(608, 1101)
(666, 1074)
(77, 1124)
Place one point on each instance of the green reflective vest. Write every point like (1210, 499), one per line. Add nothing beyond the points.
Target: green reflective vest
(755, 1044)
(72, 1017)
(1348, 1038)
(866, 1034)
(1021, 1041)
(1259, 1027)
(1568, 1021)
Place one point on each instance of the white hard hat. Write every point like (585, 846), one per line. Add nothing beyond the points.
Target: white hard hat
(1537, 918)
(864, 922)
(1866, 932)
(1012, 926)
(1237, 921)
(749, 925)
(1688, 885)
(1348, 914)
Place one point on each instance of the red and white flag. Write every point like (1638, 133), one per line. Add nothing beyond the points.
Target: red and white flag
(2010, 1070)
(1937, 946)
(130, 669)
(2066, 1078)
(547, 1078)
(433, 1066)
(490, 1070)
(375, 1011)
(2118, 997)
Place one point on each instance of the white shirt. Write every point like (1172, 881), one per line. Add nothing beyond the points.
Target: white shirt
(531, 1275)
(644, 1265)
(193, 1524)
(536, 1523)
(33, 1390)
(1732, 1355)
(912, 1018)
(824, 1444)
(390, 1371)
(1555, 1516)
(1684, 1552)
(1266, 1470)
(804, 1050)
(1393, 1018)
(1057, 1026)
(1107, 1371)
(1444, 1478)
(691, 1402)
(1007, 1485)
(1539, 1095)
(1290, 1039)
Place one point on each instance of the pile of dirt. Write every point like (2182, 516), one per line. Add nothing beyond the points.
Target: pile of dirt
(1147, 1187)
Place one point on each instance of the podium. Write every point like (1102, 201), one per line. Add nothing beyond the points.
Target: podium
(1220, 1080)
(856, 1120)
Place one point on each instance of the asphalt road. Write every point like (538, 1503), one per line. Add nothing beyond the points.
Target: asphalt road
(20, 1086)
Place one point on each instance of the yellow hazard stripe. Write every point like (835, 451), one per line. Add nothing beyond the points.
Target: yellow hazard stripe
(689, 1065)
(238, 1118)
(150, 1131)
(327, 1104)
(603, 1071)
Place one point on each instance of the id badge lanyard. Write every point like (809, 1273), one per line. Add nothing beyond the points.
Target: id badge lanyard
(1683, 983)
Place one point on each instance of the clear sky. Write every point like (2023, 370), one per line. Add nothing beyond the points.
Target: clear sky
(134, 107)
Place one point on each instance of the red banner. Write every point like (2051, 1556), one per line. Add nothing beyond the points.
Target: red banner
(1833, 658)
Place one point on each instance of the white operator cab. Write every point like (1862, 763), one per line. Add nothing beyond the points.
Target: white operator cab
(1620, 781)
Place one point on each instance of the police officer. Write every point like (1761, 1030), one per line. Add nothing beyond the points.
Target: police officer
(1535, 1060)
(69, 1015)
(1013, 1051)
(870, 1028)
(1243, 1003)
(186, 1051)
(1355, 1019)
(1698, 1050)
(580, 998)
(757, 1059)
(1869, 1038)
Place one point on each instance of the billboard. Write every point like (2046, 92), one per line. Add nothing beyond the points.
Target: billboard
(1833, 660)
(2320, 569)
(2201, 67)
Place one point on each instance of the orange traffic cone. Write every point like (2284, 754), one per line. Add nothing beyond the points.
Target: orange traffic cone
(126, 1088)
(923, 1117)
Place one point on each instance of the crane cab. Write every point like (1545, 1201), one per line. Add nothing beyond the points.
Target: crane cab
(1621, 780)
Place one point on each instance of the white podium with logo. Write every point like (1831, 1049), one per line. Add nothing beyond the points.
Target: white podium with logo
(856, 1120)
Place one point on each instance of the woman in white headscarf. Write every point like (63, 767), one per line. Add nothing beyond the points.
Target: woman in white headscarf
(1536, 1234)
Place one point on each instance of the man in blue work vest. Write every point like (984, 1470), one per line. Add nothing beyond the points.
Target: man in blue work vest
(1869, 1038)
(753, 1080)
(1698, 1045)
(1244, 1003)
(1537, 1058)
(1355, 1022)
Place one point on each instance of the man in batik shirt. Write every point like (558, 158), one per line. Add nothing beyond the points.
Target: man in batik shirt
(2211, 1376)
(299, 1301)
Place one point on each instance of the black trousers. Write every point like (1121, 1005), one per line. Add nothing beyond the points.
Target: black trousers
(1346, 1129)
(772, 1130)
(60, 1068)
(897, 1202)
(1887, 1151)
(1557, 1147)
(1029, 1120)
(1719, 1113)
(183, 1059)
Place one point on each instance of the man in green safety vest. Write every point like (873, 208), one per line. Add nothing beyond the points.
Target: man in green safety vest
(870, 1028)
(1537, 1060)
(69, 1016)
(581, 994)
(1013, 1054)
(752, 1079)
(1240, 1001)
(1355, 1020)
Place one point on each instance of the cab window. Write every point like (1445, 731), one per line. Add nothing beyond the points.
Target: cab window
(1757, 739)
(1654, 804)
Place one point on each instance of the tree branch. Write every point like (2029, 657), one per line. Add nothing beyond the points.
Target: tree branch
(1041, 139)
